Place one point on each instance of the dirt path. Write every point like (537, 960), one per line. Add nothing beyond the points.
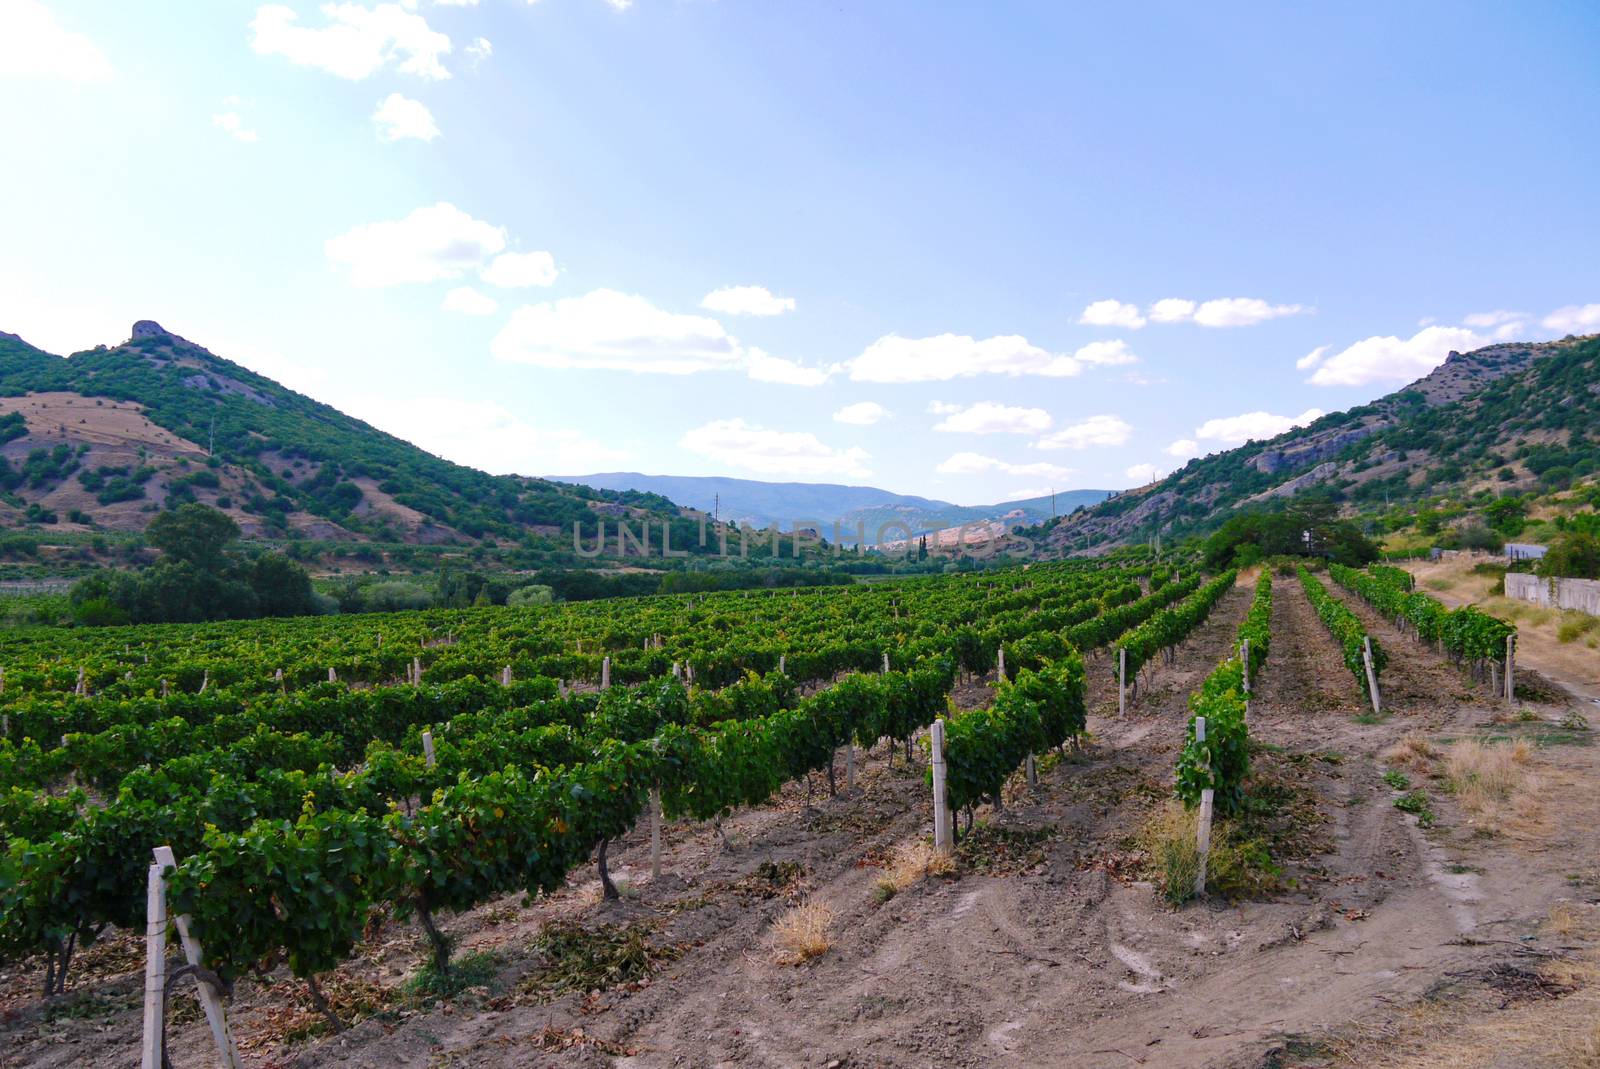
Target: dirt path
(1045, 949)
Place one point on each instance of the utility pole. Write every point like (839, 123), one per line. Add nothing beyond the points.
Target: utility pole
(1052, 502)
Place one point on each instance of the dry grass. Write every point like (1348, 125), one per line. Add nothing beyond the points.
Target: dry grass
(1481, 1029)
(1413, 752)
(801, 933)
(910, 862)
(1485, 775)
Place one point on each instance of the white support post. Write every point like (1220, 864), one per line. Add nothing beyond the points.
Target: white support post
(165, 690)
(605, 673)
(677, 670)
(1372, 676)
(277, 677)
(1000, 672)
(783, 664)
(155, 967)
(416, 671)
(427, 748)
(1203, 826)
(655, 833)
(205, 680)
(505, 676)
(1122, 681)
(81, 689)
(1511, 660)
(943, 837)
(885, 662)
(210, 997)
(333, 677)
(1244, 661)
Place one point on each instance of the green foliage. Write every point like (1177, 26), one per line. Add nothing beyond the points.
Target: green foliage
(1248, 537)
(537, 594)
(197, 579)
(1466, 633)
(1575, 554)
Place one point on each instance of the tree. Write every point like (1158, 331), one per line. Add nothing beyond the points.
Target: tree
(194, 533)
(282, 587)
(1574, 555)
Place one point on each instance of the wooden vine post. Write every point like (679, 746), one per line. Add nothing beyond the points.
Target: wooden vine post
(1511, 660)
(1203, 825)
(605, 673)
(1122, 681)
(655, 833)
(210, 997)
(155, 968)
(427, 748)
(1372, 676)
(943, 830)
(1244, 664)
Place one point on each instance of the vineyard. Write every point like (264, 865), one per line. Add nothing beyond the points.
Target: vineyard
(306, 772)
(316, 777)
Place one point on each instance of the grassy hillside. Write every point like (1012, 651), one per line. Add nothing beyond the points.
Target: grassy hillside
(106, 438)
(1516, 418)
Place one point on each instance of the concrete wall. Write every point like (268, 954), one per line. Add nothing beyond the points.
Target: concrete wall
(1580, 594)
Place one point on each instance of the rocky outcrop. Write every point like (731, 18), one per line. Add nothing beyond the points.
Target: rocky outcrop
(1310, 450)
(1320, 473)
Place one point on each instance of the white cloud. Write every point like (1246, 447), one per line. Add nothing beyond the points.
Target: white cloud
(401, 117)
(1094, 431)
(765, 368)
(469, 301)
(1574, 319)
(615, 331)
(1490, 319)
(862, 413)
(480, 49)
(1390, 359)
(1105, 354)
(942, 408)
(740, 444)
(1110, 313)
(1135, 378)
(34, 45)
(746, 301)
(1172, 310)
(1141, 474)
(233, 124)
(487, 435)
(1183, 449)
(520, 270)
(991, 417)
(1242, 312)
(1313, 358)
(616, 5)
(1252, 426)
(950, 356)
(979, 464)
(429, 244)
(450, 3)
(357, 41)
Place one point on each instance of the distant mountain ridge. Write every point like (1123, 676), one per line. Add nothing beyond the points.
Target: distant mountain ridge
(853, 508)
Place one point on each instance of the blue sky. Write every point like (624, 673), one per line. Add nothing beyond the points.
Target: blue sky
(968, 251)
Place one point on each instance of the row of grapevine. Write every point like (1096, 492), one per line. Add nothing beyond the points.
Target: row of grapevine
(1347, 629)
(1044, 708)
(1222, 762)
(1466, 634)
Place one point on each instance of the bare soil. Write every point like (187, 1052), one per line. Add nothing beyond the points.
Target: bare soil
(1046, 946)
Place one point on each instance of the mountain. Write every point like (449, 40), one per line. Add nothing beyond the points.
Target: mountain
(855, 509)
(107, 437)
(1509, 417)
